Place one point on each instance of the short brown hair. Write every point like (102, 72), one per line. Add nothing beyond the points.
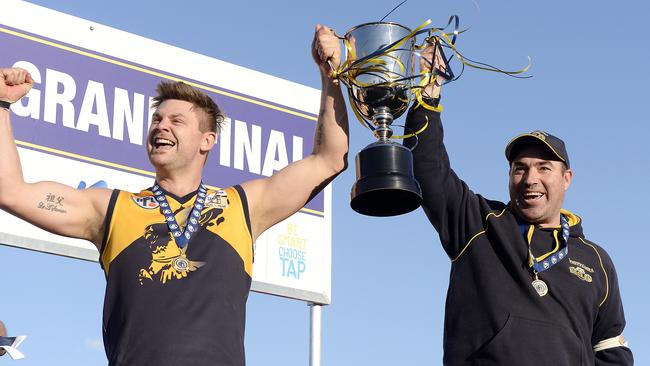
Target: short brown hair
(214, 117)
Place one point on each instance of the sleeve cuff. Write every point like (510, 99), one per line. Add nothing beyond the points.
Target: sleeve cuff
(618, 341)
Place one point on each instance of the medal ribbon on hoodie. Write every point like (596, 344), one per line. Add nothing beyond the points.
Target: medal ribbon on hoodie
(547, 260)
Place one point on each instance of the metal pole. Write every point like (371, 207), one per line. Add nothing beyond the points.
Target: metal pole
(315, 334)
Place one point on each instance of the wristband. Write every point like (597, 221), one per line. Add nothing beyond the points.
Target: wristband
(4, 104)
(431, 101)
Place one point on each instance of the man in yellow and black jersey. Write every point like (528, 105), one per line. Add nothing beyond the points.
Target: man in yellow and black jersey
(178, 256)
(526, 286)
(161, 295)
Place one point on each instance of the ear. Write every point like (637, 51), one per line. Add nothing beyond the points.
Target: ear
(208, 140)
(568, 177)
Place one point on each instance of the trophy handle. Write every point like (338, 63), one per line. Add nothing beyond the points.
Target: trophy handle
(334, 72)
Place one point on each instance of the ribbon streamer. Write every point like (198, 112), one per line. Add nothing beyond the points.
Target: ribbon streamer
(374, 64)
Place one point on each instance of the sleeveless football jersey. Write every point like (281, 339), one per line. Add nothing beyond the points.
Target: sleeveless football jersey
(158, 314)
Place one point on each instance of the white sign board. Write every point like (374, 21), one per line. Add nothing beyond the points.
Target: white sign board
(84, 124)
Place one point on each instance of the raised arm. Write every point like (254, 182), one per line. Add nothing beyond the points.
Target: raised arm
(452, 208)
(273, 199)
(55, 207)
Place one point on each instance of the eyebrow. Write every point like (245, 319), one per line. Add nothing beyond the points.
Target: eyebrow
(174, 115)
(543, 162)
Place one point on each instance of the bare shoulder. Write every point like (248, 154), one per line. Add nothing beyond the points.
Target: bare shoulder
(100, 199)
(253, 187)
(100, 196)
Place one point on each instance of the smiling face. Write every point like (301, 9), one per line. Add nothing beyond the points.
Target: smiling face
(175, 140)
(537, 185)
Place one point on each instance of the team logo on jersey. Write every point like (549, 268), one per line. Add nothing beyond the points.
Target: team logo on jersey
(218, 199)
(148, 202)
(581, 273)
(580, 270)
(167, 262)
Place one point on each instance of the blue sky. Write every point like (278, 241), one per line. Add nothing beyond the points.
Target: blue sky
(390, 275)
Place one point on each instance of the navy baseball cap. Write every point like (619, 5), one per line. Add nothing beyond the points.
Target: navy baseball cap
(554, 144)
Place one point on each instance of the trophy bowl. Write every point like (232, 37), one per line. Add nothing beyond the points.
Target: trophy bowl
(384, 79)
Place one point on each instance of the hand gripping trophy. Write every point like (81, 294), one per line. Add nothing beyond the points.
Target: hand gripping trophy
(378, 73)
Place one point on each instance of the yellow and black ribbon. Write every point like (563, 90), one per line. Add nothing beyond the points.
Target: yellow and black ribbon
(375, 64)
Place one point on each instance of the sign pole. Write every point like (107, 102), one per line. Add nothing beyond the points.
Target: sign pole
(315, 334)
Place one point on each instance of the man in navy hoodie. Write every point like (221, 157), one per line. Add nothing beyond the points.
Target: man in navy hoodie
(526, 286)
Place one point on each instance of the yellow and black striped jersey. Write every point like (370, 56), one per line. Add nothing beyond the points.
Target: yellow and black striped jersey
(156, 313)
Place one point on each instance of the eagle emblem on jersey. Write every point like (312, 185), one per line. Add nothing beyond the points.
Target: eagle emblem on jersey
(169, 262)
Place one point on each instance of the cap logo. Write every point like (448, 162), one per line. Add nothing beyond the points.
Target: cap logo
(540, 135)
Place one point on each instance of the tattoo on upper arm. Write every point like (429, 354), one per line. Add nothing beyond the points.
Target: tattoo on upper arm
(318, 135)
(52, 203)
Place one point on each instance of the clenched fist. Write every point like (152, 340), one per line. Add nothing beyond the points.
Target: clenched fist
(432, 58)
(326, 49)
(15, 83)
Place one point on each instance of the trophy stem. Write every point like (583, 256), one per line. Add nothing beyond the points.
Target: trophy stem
(382, 120)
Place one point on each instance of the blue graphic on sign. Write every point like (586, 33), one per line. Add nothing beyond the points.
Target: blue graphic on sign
(293, 262)
(98, 184)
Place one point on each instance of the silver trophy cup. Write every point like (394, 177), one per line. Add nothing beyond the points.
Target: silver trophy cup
(377, 72)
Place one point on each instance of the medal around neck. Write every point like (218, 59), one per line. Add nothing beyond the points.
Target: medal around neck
(540, 286)
(181, 263)
(537, 267)
(181, 238)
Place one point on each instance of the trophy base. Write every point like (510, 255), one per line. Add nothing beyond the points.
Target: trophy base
(385, 183)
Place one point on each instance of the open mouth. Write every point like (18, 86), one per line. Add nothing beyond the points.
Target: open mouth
(162, 143)
(531, 197)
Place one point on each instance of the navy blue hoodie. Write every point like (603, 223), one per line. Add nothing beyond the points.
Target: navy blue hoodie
(493, 315)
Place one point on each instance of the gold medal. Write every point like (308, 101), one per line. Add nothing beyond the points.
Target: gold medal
(540, 286)
(181, 264)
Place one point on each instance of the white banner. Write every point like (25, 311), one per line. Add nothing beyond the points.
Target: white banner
(85, 121)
